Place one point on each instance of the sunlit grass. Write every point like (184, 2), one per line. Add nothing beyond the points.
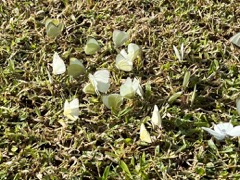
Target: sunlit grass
(193, 87)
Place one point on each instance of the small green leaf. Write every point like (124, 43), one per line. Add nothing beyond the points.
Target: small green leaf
(148, 89)
(125, 168)
(174, 97)
(14, 148)
(106, 173)
(186, 79)
(200, 171)
(193, 94)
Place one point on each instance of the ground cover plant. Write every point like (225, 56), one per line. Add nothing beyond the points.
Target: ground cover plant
(142, 117)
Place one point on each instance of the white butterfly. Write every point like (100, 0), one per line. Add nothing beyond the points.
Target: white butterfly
(119, 37)
(100, 81)
(53, 27)
(71, 110)
(236, 39)
(144, 134)
(156, 118)
(223, 130)
(124, 60)
(130, 88)
(58, 64)
(113, 101)
(180, 55)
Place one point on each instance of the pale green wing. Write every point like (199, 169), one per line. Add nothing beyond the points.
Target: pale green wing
(144, 134)
(234, 132)
(102, 75)
(123, 64)
(105, 101)
(119, 37)
(115, 101)
(127, 90)
(75, 67)
(91, 46)
(89, 89)
(53, 27)
(133, 51)
(177, 53)
(47, 22)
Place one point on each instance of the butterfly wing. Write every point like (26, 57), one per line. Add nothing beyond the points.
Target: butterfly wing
(133, 51)
(156, 119)
(126, 89)
(123, 63)
(105, 101)
(182, 51)
(91, 47)
(144, 134)
(54, 30)
(103, 87)
(75, 67)
(58, 64)
(223, 128)
(115, 101)
(94, 83)
(234, 132)
(89, 89)
(71, 110)
(74, 105)
(67, 110)
(119, 37)
(236, 39)
(102, 79)
(217, 135)
(137, 87)
(102, 76)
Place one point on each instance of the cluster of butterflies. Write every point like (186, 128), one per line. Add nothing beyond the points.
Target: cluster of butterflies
(222, 130)
(99, 82)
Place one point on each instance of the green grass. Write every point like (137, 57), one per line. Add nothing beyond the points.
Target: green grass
(100, 144)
